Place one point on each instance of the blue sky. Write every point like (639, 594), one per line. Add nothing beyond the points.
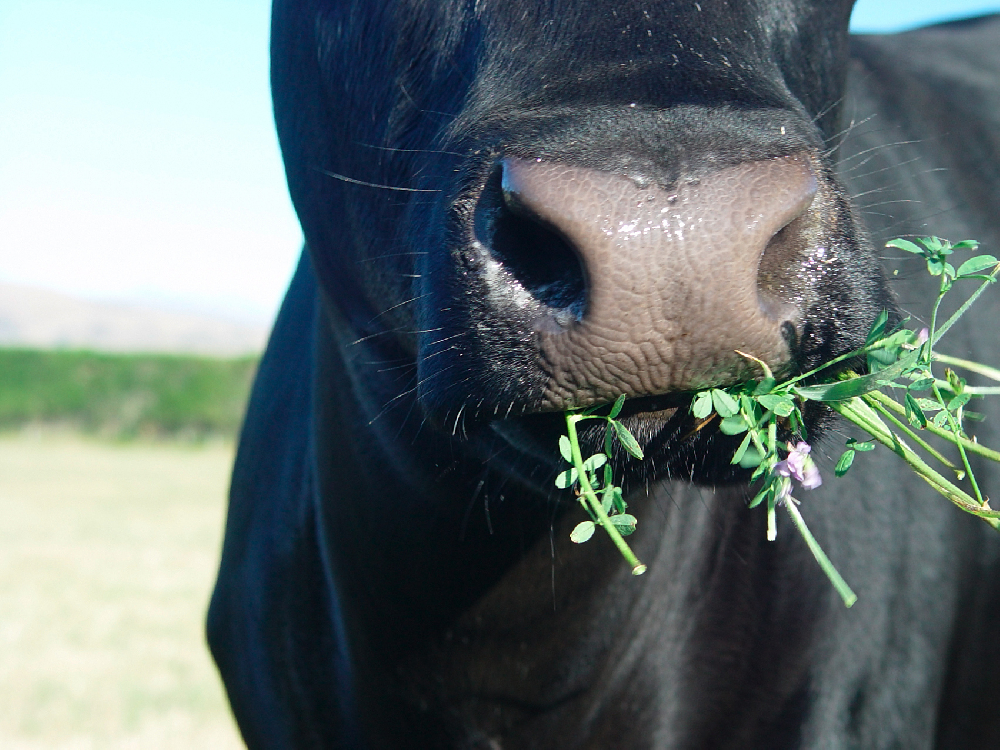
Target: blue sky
(138, 159)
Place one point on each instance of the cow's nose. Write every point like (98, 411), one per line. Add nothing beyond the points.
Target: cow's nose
(653, 290)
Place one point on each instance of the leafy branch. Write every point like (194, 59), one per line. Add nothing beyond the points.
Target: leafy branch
(901, 360)
(606, 510)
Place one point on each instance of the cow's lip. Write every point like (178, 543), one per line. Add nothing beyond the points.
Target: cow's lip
(645, 416)
(665, 405)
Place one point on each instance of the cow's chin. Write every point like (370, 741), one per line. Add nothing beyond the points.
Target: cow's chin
(676, 444)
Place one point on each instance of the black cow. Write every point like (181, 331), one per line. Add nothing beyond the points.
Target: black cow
(512, 208)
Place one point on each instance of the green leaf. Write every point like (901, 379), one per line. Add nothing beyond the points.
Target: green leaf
(878, 327)
(738, 456)
(941, 418)
(772, 400)
(914, 413)
(846, 459)
(724, 404)
(960, 400)
(617, 501)
(565, 449)
(607, 498)
(921, 385)
(890, 384)
(879, 359)
(760, 496)
(937, 245)
(617, 408)
(977, 264)
(845, 389)
(751, 459)
(733, 425)
(702, 405)
(582, 532)
(764, 386)
(784, 409)
(980, 277)
(595, 462)
(966, 245)
(628, 442)
(795, 422)
(780, 405)
(624, 523)
(929, 404)
(906, 245)
(935, 266)
(868, 445)
(566, 479)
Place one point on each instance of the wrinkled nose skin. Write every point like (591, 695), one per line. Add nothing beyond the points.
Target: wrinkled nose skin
(672, 277)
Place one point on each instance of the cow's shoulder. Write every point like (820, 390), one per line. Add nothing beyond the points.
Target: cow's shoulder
(922, 125)
(943, 71)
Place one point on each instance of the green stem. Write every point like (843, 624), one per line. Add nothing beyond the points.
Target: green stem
(835, 360)
(932, 334)
(932, 428)
(981, 390)
(591, 496)
(932, 339)
(854, 411)
(961, 449)
(966, 305)
(990, 372)
(877, 405)
(836, 579)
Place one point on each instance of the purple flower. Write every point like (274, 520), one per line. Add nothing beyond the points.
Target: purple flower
(800, 466)
(922, 335)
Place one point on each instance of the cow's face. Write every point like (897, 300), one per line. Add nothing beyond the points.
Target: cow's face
(582, 198)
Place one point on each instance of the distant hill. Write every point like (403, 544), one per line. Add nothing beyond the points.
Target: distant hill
(31, 317)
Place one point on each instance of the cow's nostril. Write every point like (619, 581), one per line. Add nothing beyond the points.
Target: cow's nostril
(535, 254)
(777, 269)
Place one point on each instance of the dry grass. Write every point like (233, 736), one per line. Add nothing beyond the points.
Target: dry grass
(107, 557)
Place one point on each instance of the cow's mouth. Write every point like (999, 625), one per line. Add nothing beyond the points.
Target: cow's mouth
(676, 443)
(659, 407)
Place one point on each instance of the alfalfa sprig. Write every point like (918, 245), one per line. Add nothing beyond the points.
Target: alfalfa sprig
(593, 482)
(762, 408)
(758, 411)
(896, 360)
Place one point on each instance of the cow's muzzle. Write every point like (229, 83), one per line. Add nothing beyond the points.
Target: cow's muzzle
(647, 290)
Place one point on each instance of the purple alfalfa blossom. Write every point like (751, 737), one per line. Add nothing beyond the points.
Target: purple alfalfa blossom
(800, 466)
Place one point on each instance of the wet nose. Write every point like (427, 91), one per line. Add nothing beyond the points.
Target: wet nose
(657, 287)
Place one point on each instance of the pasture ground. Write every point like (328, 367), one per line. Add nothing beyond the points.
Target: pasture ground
(107, 557)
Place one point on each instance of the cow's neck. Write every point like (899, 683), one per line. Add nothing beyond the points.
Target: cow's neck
(484, 638)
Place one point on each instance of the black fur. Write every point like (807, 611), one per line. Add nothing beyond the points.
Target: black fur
(397, 570)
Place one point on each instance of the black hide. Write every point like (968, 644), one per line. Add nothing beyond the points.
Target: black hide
(397, 571)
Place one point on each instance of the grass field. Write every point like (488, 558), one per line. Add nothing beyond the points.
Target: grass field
(124, 396)
(107, 556)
